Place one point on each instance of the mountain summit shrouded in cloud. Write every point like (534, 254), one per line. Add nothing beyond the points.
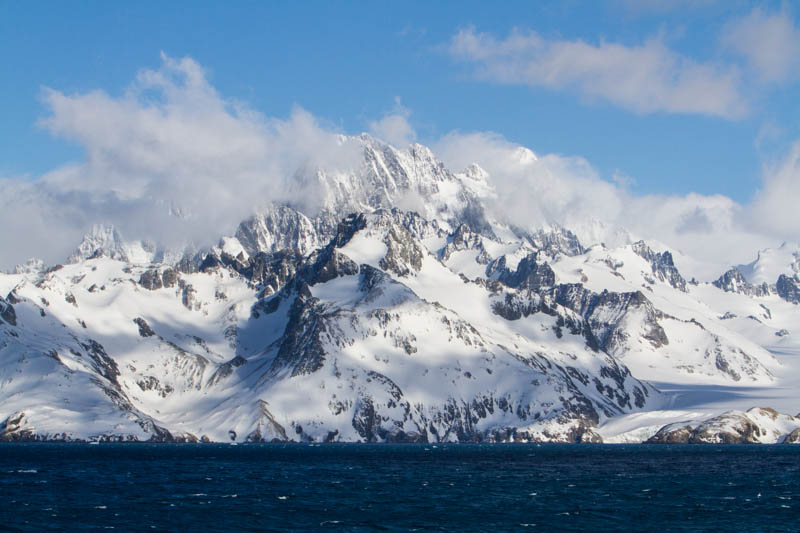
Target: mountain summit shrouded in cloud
(173, 162)
(564, 223)
(402, 305)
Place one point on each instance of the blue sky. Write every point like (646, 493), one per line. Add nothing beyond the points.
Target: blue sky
(675, 119)
(346, 62)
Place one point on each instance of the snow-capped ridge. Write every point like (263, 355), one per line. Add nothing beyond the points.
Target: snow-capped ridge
(770, 263)
(757, 425)
(389, 304)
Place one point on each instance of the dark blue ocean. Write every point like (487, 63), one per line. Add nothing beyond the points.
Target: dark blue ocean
(360, 487)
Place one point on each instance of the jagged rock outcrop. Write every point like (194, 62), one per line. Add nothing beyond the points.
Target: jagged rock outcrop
(7, 313)
(281, 228)
(144, 328)
(151, 280)
(349, 319)
(793, 437)
(788, 289)
(662, 265)
(556, 240)
(169, 278)
(529, 274)
(104, 240)
(734, 281)
(403, 254)
(607, 315)
(464, 239)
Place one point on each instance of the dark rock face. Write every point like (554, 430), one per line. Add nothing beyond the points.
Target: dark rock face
(347, 228)
(793, 437)
(151, 383)
(226, 369)
(188, 294)
(169, 278)
(144, 328)
(464, 239)
(459, 421)
(529, 274)
(272, 272)
(102, 363)
(403, 254)
(151, 280)
(302, 349)
(662, 265)
(605, 313)
(210, 263)
(734, 281)
(328, 265)
(788, 289)
(237, 263)
(600, 318)
(7, 313)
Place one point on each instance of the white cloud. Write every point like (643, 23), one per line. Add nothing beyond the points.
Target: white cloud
(394, 127)
(769, 43)
(646, 78)
(774, 209)
(170, 144)
(532, 191)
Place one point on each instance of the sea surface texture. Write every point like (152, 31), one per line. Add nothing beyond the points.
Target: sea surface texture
(359, 487)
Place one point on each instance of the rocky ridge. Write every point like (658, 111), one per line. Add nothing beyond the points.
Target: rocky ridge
(755, 426)
(362, 321)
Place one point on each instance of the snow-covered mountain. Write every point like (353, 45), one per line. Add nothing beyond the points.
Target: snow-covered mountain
(400, 308)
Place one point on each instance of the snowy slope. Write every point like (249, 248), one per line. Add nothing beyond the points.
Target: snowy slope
(771, 263)
(418, 318)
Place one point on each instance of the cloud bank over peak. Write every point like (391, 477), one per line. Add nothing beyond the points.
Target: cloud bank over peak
(172, 161)
(713, 229)
(169, 145)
